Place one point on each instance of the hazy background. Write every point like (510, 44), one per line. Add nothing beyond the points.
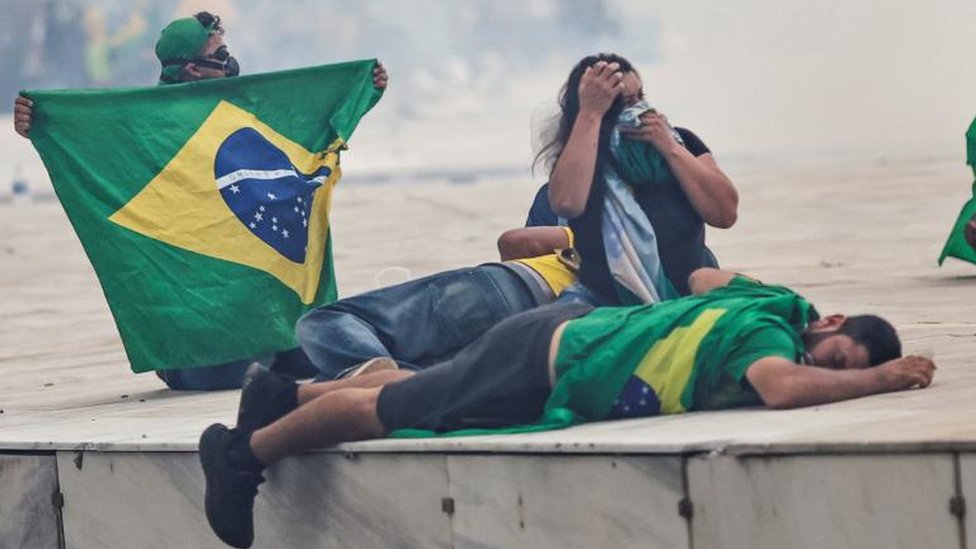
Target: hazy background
(763, 82)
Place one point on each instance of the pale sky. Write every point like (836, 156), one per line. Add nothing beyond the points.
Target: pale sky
(876, 75)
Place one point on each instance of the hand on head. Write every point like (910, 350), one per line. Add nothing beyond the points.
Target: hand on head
(23, 112)
(599, 86)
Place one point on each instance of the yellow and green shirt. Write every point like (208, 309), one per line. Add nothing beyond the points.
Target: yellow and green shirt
(690, 353)
(686, 354)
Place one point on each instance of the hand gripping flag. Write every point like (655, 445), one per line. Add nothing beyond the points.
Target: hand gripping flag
(204, 206)
(956, 246)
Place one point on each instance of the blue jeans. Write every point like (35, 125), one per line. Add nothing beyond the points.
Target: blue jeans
(578, 293)
(417, 323)
(231, 375)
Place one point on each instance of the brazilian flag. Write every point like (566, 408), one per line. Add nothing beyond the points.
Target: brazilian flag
(956, 246)
(204, 207)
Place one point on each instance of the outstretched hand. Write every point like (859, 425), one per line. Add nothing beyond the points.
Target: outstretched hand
(599, 86)
(906, 372)
(380, 77)
(23, 112)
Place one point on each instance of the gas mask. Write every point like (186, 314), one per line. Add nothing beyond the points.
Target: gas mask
(220, 60)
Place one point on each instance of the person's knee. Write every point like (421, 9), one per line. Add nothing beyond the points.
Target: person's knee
(331, 324)
(308, 324)
(319, 324)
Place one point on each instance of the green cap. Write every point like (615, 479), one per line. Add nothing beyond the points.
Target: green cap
(180, 41)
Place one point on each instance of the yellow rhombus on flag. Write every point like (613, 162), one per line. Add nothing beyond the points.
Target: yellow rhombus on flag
(204, 206)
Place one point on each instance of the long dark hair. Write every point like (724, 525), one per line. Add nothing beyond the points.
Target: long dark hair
(569, 106)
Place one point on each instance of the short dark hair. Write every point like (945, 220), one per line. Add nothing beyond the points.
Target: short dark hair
(876, 334)
(210, 21)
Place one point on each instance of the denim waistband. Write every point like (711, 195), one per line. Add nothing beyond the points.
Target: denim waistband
(540, 290)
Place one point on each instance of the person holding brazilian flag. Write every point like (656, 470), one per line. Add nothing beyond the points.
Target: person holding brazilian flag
(203, 202)
(962, 240)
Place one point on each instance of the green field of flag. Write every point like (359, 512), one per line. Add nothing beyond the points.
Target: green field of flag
(204, 207)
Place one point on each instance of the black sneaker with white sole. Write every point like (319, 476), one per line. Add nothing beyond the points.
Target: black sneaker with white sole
(230, 490)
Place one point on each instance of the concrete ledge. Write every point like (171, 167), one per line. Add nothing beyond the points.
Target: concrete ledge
(29, 501)
(367, 500)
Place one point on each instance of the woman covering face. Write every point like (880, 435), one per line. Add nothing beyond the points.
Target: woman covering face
(637, 192)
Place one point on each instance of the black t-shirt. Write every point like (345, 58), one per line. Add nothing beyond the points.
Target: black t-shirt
(679, 229)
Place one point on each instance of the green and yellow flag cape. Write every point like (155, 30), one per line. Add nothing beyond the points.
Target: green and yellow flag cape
(956, 246)
(204, 206)
(681, 344)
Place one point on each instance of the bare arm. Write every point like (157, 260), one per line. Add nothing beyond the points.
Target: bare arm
(706, 279)
(531, 242)
(782, 384)
(709, 190)
(572, 176)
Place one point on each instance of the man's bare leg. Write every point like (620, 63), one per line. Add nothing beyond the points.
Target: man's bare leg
(267, 397)
(335, 416)
(330, 413)
(233, 459)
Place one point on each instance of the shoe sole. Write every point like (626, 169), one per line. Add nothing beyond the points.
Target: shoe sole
(373, 365)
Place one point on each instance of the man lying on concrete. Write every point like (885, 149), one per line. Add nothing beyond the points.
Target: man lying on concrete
(735, 342)
(424, 321)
